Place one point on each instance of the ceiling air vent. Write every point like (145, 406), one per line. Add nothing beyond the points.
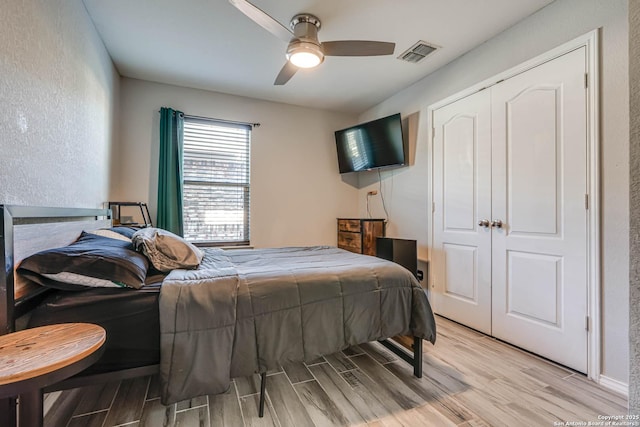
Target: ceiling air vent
(417, 52)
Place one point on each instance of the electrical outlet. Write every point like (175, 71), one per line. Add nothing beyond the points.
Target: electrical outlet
(420, 275)
(372, 193)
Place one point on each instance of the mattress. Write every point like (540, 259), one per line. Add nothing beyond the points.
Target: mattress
(130, 317)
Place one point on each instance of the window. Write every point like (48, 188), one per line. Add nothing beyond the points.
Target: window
(216, 181)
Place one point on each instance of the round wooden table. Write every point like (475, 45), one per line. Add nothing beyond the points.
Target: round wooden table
(36, 358)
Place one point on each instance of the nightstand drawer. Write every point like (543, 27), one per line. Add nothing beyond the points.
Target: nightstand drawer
(359, 234)
(350, 241)
(349, 225)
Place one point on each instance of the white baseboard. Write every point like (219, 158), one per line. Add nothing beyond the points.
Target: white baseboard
(614, 385)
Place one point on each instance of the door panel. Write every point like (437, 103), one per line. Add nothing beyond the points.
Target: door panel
(535, 271)
(533, 152)
(459, 174)
(461, 271)
(539, 172)
(461, 252)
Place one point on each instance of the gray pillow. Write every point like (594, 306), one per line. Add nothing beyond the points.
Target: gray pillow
(165, 250)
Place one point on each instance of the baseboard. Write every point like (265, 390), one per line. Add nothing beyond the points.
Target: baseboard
(614, 385)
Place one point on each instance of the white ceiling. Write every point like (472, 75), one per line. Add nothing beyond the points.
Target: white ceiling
(209, 44)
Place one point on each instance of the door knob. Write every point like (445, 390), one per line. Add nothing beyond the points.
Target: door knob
(496, 223)
(484, 223)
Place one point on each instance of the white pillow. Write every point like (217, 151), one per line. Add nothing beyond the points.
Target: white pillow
(110, 234)
(79, 279)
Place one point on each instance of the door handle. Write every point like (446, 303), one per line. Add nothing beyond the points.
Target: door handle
(484, 223)
(496, 223)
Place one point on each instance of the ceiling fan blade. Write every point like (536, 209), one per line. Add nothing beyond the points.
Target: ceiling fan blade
(357, 48)
(264, 20)
(285, 74)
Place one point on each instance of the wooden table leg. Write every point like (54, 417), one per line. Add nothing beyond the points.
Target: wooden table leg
(8, 412)
(30, 410)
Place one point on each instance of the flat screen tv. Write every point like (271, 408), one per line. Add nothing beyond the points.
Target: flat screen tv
(371, 145)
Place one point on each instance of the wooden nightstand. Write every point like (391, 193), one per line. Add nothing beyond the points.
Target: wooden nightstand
(36, 358)
(359, 235)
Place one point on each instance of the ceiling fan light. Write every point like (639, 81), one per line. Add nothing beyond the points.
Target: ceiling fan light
(305, 59)
(305, 55)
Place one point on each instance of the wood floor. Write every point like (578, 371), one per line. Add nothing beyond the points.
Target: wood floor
(469, 380)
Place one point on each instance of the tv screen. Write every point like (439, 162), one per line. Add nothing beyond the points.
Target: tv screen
(371, 145)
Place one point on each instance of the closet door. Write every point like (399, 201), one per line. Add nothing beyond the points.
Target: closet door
(539, 169)
(461, 253)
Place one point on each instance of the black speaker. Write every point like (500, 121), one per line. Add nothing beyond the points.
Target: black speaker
(400, 251)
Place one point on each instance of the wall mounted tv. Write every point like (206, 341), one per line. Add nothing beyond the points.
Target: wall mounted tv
(371, 145)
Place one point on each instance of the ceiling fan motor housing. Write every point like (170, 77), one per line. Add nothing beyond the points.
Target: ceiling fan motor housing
(305, 25)
(305, 28)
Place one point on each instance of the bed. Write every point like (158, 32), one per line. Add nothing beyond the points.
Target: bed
(271, 306)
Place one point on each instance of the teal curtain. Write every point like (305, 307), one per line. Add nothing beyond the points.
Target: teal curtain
(170, 171)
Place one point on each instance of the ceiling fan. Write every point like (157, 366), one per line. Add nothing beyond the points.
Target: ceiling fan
(304, 49)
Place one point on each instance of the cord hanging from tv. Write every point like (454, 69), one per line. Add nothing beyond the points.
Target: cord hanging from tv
(372, 145)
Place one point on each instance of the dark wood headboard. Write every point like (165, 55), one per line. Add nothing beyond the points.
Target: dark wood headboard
(25, 230)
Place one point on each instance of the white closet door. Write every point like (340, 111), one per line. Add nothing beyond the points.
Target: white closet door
(539, 169)
(461, 253)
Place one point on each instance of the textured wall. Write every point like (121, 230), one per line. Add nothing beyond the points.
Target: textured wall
(634, 206)
(561, 21)
(296, 190)
(59, 90)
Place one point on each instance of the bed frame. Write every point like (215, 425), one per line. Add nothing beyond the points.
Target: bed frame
(25, 230)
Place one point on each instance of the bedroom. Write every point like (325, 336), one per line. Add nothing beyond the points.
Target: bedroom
(78, 134)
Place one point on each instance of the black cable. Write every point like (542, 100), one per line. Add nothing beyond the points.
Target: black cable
(384, 206)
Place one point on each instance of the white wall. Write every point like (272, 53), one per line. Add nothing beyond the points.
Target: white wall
(561, 21)
(634, 205)
(58, 88)
(296, 190)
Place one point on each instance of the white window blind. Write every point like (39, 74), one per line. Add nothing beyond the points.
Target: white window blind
(216, 181)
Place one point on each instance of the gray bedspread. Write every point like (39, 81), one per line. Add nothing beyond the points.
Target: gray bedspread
(247, 311)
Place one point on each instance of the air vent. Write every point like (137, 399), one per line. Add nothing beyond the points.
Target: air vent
(417, 52)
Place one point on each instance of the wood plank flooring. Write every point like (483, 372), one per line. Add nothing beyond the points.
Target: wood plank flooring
(469, 380)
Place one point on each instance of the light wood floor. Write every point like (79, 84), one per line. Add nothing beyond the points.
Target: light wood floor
(469, 380)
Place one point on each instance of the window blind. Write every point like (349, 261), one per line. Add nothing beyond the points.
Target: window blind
(216, 181)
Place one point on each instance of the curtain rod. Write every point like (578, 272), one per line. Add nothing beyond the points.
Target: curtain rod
(253, 125)
(224, 121)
